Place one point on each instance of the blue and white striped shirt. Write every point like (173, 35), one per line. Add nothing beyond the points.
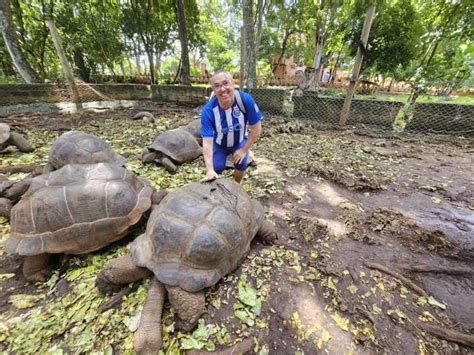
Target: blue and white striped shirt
(229, 127)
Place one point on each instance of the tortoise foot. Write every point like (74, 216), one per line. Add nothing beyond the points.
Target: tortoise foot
(36, 268)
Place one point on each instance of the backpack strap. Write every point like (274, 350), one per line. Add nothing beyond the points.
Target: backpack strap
(240, 102)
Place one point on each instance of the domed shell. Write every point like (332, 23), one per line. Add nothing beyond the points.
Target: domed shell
(194, 127)
(177, 144)
(198, 234)
(4, 133)
(76, 147)
(77, 209)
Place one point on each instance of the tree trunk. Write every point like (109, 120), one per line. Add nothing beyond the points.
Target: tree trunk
(247, 9)
(149, 54)
(64, 63)
(260, 7)
(242, 58)
(158, 62)
(183, 39)
(13, 46)
(137, 57)
(390, 85)
(334, 69)
(357, 65)
(319, 61)
(315, 78)
(82, 70)
(283, 49)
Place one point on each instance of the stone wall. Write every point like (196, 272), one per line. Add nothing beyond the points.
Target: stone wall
(16, 94)
(180, 94)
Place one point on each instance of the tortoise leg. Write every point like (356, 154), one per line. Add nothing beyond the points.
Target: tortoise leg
(35, 268)
(48, 168)
(148, 156)
(157, 196)
(148, 335)
(20, 142)
(189, 306)
(119, 272)
(267, 233)
(168, 164)
(17, 190)
(5, 207)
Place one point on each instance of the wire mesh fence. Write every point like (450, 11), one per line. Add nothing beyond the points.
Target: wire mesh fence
(319, 107)
(439, 118)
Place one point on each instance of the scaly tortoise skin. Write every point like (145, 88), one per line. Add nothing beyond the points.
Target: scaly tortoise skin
(75, 210)
(75, 147)
(194, 237)
(175, 146)
(8, 137)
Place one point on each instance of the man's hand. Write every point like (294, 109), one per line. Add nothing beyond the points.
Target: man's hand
(239, 156)
(211, 175)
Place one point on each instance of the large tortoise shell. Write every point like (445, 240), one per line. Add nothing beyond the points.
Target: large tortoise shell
(198, 234)
(76, 147)
(77, 209)
(177, 144)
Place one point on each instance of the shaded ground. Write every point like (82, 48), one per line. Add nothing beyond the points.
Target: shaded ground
(339, 201)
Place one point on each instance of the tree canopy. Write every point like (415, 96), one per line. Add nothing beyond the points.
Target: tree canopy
(426, 43)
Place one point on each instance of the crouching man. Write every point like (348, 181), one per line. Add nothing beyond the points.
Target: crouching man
(224, 122)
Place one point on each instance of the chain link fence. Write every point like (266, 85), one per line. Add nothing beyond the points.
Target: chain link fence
(322, 108)
(325, 110)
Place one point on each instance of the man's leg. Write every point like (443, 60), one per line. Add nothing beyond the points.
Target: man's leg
(239, 175)
(239, 169)
(219, 156)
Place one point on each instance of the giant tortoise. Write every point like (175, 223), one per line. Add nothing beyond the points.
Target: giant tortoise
(170, 147)
(75, 210)
(194, 127)
(8, 137)
(75, 147)
(194, 237)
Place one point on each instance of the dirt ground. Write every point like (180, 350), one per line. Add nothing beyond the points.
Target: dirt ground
(375, 251)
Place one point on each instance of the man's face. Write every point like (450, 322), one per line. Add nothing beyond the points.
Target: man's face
(223, 87)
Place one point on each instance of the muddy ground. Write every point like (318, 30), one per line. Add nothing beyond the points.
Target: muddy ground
(376, 241)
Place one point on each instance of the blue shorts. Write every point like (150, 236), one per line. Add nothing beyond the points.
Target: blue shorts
(220, 154)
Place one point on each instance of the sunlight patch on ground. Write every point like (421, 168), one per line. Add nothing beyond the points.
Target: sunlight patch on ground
(308, 311)
(332, 197)
(335, 228)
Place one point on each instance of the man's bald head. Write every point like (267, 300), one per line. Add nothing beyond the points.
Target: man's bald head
(223, 72)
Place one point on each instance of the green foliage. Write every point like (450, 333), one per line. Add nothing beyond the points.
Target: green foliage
(90, 30)
(393, 40)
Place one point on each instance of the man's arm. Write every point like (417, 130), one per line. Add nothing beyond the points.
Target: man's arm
(252, 138)
(207, 144)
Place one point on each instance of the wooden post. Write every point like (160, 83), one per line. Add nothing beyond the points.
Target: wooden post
(64, 63)
(357, 65)
(242, 58)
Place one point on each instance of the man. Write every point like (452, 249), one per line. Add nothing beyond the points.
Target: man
(224, 122)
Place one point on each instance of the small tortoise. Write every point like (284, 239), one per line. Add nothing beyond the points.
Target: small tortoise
(170, 147)
(75, 210)
(8, 137)
(144, 115)
(194, 127)
(194, 237)
(76, 147)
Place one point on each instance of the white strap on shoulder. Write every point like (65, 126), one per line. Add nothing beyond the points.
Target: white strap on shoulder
(240, 103)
